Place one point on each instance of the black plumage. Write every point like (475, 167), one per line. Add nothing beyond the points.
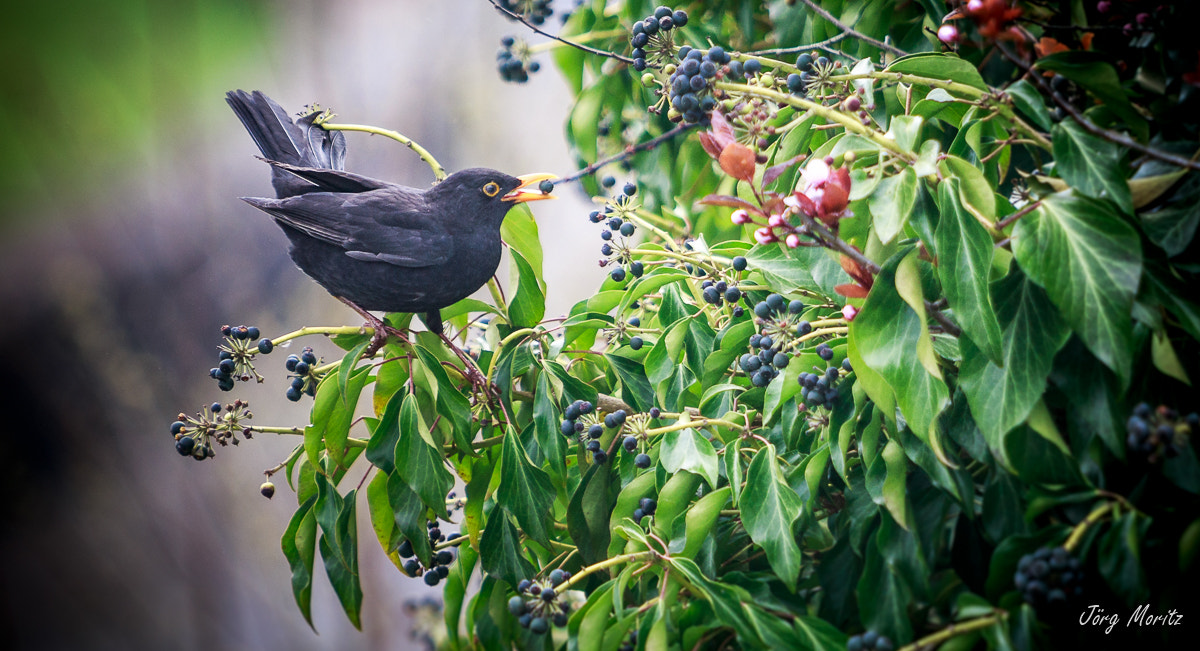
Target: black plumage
(377, 245)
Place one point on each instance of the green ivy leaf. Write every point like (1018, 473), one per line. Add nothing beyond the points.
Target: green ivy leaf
(525, 490)
(332, 414)
(589, 512)
(528, 304)
(892, 203)
(299, 545)
(891, 338)
(1090, 262)
(769, 509)
(939, 66)
(811, 268)
(1090, 70)
(686, 449)
(1120, 557)
(1173, 226)
(1002, 397)
(883, 597)
(500, 552)
(419, 462)
(339, 546)
(964, 267)
(635, 388)
(1090, 165)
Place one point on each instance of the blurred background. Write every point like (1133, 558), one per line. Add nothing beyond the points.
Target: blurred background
(123, 249)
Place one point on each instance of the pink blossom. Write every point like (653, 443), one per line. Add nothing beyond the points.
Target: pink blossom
(764, 236)
(793, 241)
(849, 312)
(740, 217)
(947, 33)
(975, 5)
(824, 192)
(775, 221)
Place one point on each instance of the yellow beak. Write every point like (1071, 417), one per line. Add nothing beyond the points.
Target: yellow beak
(521, 194)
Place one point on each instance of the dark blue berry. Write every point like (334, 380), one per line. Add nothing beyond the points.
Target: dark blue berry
(568, 427)
(642, 461)
(765, 341)
(638, 514)
(680, 18)
(752, 67)
(516, 606)
(636, 269)
(795, 307)
(226, 366)
(629, 189)
(432, 578)
(185, 445)
(606, 235)
(628, 229)
(634, 321)
(739, 263)
(803, 328)
(302, 368)
(618, 274)
(308, 357)
(655, 412)
(600, 457)
(762, 310)
(265, 346)
(177, 427)
(630, 443)
(635, 343)
(595, 431)
(662, 11)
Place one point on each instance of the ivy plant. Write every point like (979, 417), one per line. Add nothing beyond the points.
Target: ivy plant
(895, 349)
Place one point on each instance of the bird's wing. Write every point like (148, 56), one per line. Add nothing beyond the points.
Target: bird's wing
(391, 225)
(331, 180)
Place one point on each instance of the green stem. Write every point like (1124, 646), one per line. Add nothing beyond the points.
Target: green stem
(699, 422)
(439, 172)
(954, 630)
(604, 565)
(582, 38)
(1080, 529)
(328, 331)
(850, 123)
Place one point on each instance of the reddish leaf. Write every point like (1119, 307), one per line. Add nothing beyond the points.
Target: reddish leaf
(851, 291)
(738, 161)
(777, 169)
(710, 145)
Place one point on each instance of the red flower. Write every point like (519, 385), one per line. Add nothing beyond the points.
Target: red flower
(824, 192)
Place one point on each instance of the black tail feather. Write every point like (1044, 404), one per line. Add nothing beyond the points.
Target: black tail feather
(299, 143)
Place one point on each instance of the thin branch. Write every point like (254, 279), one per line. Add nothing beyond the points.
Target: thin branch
(820, 45)
(838, 244)
(1089, 126)
(518, 17)
(949, 326)
(853, 32)
(627, 152)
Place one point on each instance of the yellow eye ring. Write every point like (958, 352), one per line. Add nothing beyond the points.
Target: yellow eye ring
(491, 189)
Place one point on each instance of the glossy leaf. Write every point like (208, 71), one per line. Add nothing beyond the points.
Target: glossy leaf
(1088, 260)
(419, 463)
(769, 509)
(525, 490)
(299, 545)
(1090, 165)
(686, 449)
(964, 266)
(1002, 397)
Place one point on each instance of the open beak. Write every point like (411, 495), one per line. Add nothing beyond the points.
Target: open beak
(524, 192)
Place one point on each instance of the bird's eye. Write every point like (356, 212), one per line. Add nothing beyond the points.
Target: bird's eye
(491, 189)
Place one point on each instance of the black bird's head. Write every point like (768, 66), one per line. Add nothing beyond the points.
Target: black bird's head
(483, 195)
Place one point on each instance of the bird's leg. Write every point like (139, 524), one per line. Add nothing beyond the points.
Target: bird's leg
(381, 330)
(433, 321)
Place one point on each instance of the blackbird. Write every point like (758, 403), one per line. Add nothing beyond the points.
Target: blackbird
(375, 245)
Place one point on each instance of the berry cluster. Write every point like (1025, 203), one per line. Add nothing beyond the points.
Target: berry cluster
(236, 356)
(616, 247)
(635, 342)
(691, 83)
(194, 435)
(441, 559)
(1049, 577)
(513, 60)
(822, 389)
(304, 378)
(651, 37)
(537, 603)
(632, 441)
(1155, 433)
(814, 74)
(767, 363)
(534, 11)
(869, 641)
(646, 506)
(715, 293)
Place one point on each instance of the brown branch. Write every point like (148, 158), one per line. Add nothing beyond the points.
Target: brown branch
(627, 152)
(853, 32)
(834, 242)
(591, 50)
(1089, 126)
(819, 45)
(936, 312)
(1003, 223)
